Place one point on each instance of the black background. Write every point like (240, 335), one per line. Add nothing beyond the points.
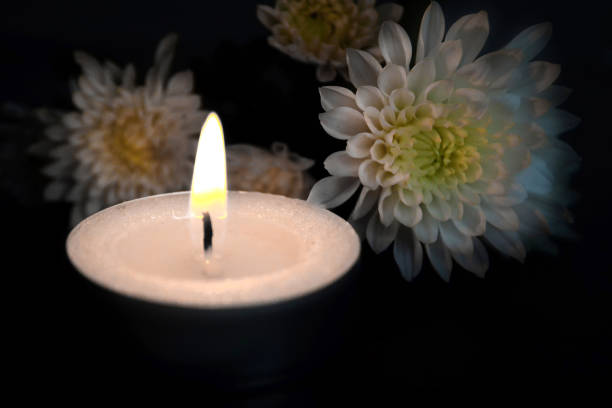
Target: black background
(543, 325)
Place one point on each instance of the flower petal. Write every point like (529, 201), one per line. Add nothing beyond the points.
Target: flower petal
(369, 96)
(440, 258)
(439, 209)
(401, 98)
(408, 215)
(507, 242)
(391, 78)
(427, 230)
(408, 253)
(535, 77)
(491, 70)
(477, 262)
(454, 239)
(386, 204)
(421, 75)
(431, 31)
(180, 83)
(472, 30)
(380, 237)
(439, 91)
(395, 44)
(332, 191)
(335, 96)
(558, 121)
(359, 145)
(555, 94)
(448, 58)
(363, 67)
(473, 222)
(389, 11)
(514, 194)
(267, 15)
(343, 122)
(367, 173)
(341, 164)
(366, 201)
(532, 40)
(502, 217)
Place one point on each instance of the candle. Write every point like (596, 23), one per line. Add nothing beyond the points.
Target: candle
(240, 302)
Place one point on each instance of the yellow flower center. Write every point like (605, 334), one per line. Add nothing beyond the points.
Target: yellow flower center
(321, 21)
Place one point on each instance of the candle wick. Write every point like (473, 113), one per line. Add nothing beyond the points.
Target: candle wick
(208, 233)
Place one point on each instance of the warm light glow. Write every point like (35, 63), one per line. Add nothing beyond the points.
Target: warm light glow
(209, 183)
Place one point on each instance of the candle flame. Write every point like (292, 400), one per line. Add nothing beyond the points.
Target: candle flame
(209, 183)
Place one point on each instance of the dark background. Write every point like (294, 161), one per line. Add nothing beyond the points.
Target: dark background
(543, 326)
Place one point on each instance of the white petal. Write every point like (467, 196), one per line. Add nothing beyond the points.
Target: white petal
(439, 91)
(536, 77)
(401, 98)
(341, 164)
(332, 191)
(440, 258)
(473, 222)
(448, 58)
(476, 101)
(363, 67)
(558, 121)
(267, 15)
(532, 40)
(395, 44)
(366, 201)
(439, 209)
(507, 242)
(343, 122)
(369, 96)
(386, 204)
(372, 118)
(555, 94)
(502, 217)
(514, 194)
(180, 83)
(454, 239)
(380, 237)
(359, 145)
(472, 30)
(421, 75)
(408, 253)
(477, 262)
(367, 173)
(491, 70)
(467, 194)
(407, 215)
(335, 96)
(411, 197)
(391, 78)
(431, 31)
(389, 11)
(427, 230)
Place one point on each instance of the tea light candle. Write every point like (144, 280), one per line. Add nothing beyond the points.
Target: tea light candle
(266, 248)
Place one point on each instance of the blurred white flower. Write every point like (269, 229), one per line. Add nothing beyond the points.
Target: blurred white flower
(320, 31)
(277, 171)
(453, 151)
(124, 141)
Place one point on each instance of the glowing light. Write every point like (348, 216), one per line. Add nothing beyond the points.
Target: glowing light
(209, 183)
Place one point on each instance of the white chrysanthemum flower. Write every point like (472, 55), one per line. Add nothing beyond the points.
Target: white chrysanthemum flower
(320, 31)
(454, 150)
(125, 141)
(278, 171)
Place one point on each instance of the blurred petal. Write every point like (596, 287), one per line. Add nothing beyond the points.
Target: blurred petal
(472, 30)
(380, 237)
(408, 253)
(440, 258)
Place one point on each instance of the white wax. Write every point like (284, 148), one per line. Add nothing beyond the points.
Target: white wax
(275, 248)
